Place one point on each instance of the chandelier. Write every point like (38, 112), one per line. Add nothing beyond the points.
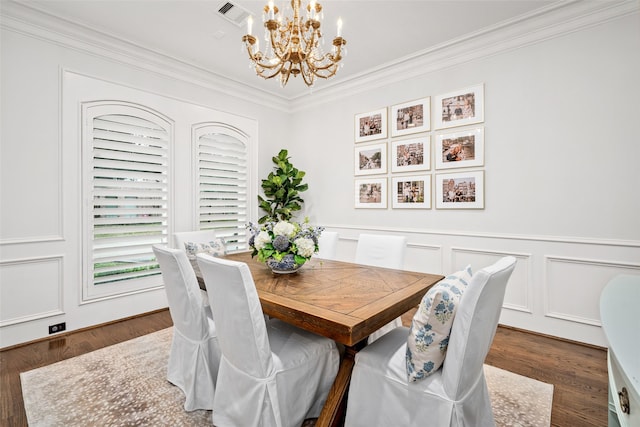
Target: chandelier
(294, 45)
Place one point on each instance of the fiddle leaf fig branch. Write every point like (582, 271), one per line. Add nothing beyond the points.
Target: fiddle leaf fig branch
(282, 190)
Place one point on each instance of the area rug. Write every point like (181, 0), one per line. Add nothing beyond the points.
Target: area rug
(125, 385)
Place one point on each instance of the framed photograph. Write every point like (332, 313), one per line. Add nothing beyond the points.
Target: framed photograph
(372, 125)
(410, 155)
(371, 159)
(411, 192)
(411, 117)
(462, 190)
(371, 193)
(459, 108)
(460, 149)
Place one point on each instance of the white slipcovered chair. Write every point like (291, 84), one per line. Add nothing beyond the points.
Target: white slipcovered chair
(198, 236)
(327, 244)
(381, 251)
(271, 373)
(195, 355)
(455, 395)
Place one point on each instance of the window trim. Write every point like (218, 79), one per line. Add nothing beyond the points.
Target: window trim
(202, 128)
(90, 110)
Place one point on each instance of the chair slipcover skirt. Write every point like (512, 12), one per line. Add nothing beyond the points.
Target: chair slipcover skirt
(291, 394)
(195, 354)
(193, 367)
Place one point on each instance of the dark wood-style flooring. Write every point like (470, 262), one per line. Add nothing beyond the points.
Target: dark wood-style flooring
(578, 372)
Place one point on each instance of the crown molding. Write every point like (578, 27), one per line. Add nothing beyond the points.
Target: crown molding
(555, 20)
(31, 22)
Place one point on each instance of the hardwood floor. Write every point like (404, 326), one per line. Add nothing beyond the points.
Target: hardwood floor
(578, 372)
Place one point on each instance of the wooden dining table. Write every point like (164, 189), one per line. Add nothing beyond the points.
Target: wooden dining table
(343, 301)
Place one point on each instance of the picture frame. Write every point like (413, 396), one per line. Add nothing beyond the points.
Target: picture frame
(411, 117)
(460, 190)
(371, 193)
(459, 108)
(409, 155)
(460, 149)
(370, 159)
(411, 192)
(371, 125)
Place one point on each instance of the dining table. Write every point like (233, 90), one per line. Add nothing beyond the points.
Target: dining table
(339, 300)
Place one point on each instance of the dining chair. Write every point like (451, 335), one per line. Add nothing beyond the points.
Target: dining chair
(381, 394)
(198, 236)
(381, 251)
(271, 373)
(327, 244)
(195, 354)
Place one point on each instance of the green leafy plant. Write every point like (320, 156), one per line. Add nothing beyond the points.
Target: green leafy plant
(282, 190)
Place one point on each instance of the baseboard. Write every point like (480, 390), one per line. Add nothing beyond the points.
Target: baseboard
(553, 337)
(88, 328)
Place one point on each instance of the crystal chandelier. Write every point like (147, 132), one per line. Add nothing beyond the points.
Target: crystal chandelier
(294, 45)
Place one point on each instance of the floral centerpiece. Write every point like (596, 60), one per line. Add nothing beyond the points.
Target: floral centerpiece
(284, 245)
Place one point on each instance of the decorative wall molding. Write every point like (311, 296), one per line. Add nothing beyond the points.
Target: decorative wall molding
(595, 275)
(56, 264)
(523, 237)
(520, 280)
(32, 240)
(33, 23)
(555, 294)
(555, 20)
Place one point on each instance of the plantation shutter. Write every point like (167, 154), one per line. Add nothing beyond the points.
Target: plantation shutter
(222, 185)
(128, 167)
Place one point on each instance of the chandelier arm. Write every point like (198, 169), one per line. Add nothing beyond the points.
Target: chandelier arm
(278, 49)
(308, 77)
(331, 71)
(308, 42)
(287, 73)
(275, 73)
(317, 67)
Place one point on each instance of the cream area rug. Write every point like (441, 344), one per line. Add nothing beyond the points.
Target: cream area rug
(125, 385)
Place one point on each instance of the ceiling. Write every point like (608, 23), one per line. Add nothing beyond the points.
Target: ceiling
(378, 33)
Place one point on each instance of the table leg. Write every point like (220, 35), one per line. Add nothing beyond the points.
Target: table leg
(335, 406)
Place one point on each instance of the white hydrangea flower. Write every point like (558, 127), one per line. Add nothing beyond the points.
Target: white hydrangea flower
(284, 228)
(305, 247)
(261, 240)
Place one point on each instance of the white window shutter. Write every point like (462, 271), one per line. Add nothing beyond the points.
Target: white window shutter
(222, 160)
(128, 166)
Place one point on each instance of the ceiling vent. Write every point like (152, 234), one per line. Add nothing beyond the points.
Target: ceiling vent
(233, 13)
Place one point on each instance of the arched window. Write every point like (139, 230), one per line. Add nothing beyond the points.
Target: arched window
(125, 192)
(222, 181)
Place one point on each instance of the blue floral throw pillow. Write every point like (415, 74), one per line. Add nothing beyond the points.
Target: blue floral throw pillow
(431, 325)
(214, 248)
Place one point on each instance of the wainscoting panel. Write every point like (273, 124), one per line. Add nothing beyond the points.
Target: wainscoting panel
(31, 289)
(519, 288)
(554, 289)
(573, 286)
(423, 258)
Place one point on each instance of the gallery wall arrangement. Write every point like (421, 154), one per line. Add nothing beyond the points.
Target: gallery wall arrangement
(458, 150)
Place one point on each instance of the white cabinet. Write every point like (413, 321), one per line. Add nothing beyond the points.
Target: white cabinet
(620, 314)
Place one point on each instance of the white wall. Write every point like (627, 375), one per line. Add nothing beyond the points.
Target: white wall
(40, 221)
(561, 168)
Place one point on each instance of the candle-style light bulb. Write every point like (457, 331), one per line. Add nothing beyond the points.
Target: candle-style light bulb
(249, 24)
(312, 7)
(339, 27)
(271, 11)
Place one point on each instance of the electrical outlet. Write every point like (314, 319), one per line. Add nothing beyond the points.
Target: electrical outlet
(59, 327)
